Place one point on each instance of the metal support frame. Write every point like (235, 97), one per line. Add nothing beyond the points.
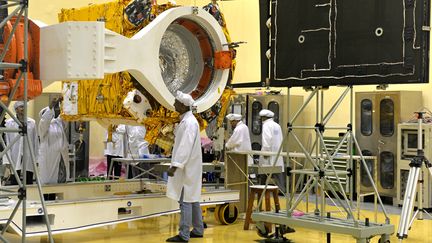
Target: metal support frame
(414, 182)
(321, 162)
(360, 195)
(21, 12)
(134, 163)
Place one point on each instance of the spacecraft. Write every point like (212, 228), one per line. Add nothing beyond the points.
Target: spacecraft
(123, 61)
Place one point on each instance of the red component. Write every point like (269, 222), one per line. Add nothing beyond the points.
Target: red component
(207, 53)
(34, 88)
(15, 54)
(223, 59)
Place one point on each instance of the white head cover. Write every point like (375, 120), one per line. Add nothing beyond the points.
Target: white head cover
(18, 104)
(266, 113)
(43, 111)
(234, 117)
(185, 99)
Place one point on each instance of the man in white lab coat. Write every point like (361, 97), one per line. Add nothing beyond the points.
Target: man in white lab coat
(116, 148)
(271, 141)
(54, 144)
(15, 154)
(240, 139)
(184, 181)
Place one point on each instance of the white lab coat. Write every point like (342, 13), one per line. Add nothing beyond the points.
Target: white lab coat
(187, 157)
(240, 140)
(137, 145)
(117, 146)
(54, 146)
(271, 141)
(16, 151)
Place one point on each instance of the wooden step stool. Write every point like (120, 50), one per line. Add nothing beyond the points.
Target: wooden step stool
(258, 190)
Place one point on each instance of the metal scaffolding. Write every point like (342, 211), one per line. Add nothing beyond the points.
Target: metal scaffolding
(320, 160)
(20, 13)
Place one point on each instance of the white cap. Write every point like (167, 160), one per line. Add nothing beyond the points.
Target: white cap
(43, 111)
(18, 104)
(234, 117)
(185, 99)
(266, 113)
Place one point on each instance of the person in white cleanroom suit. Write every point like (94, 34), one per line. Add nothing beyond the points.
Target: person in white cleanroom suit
(185, 173)
(137, 147)
(54, 144)
(240, 139)
(116, 148)
(16, 153)
(271, 141)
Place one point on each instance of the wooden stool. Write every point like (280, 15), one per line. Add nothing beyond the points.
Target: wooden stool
(258, 189)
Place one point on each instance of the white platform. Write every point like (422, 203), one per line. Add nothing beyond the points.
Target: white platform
(75, 212)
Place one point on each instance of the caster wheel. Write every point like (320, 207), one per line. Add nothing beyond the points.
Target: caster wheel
(385, 241)
(216, 213)
(225, 216)
(262, 231)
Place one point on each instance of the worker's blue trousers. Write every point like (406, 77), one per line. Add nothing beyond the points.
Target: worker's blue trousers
(190, 215)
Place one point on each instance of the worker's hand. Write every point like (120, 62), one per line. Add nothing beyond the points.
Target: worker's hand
(55, 102)
(171, 171)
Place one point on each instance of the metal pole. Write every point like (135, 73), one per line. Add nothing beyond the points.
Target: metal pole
(24, 166)
(292, 177)
(420, 196)
(411, 199)
(420, 182)
(404, 210)
(8, 5)
(350, 149)
(357, 178)
(317, 211)
(321, 152)
(6, 129)
(6, 65)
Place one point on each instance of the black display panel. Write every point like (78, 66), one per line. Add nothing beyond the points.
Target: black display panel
(347, 42)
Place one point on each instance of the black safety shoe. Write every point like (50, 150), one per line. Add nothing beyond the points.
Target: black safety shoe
(289, 230)
(176, 238)
(193, 235)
